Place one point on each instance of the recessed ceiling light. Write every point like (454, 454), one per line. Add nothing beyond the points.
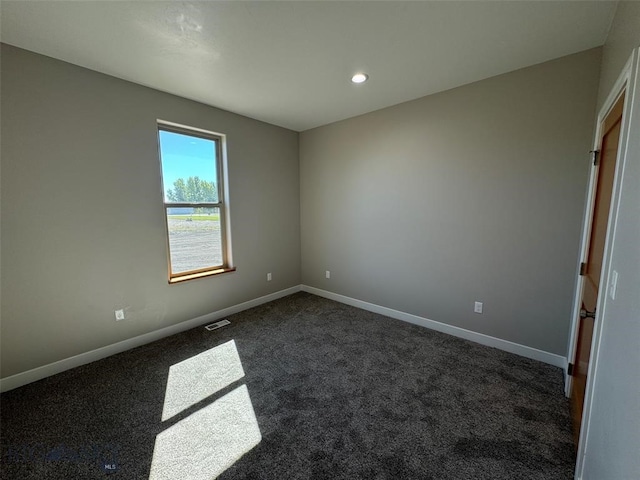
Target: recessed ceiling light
(360, 78)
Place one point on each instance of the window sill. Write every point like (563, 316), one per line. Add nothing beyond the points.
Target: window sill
(193, 276)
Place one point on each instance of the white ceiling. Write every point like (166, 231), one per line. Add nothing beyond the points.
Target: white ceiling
(290, 63)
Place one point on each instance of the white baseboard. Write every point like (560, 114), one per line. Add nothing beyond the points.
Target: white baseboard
(507, 346)
(20, 379)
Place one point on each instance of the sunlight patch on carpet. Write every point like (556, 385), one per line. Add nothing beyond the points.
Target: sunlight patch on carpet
(201, 376)
(207, 442)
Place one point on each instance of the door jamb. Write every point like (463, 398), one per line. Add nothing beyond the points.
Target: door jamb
(627, 81)
(587, 223)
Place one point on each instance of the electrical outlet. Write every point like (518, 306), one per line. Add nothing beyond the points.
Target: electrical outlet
(327, 274)
(269, 277)
(119, 315)
(477, 307)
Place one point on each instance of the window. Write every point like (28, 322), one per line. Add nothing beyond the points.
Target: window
(193, 189)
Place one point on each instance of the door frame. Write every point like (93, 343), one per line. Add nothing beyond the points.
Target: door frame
(627, 81)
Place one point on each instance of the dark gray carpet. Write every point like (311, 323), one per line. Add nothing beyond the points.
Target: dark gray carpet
(338, 393)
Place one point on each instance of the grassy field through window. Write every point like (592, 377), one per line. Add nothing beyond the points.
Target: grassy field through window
(195, 241)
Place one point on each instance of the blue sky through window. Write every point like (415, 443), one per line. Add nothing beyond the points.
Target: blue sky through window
(184, 156)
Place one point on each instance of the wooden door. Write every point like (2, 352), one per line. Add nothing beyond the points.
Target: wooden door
(592, 267)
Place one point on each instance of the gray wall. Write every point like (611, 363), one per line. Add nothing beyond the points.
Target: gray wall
(82, 219)
(614, 430)
(472, 194)
(623, 37)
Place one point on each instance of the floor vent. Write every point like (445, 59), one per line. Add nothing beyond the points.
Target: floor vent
(218, 324)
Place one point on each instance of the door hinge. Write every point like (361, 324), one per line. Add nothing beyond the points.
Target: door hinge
(583, 269)
(595, 157)
(570, 369)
